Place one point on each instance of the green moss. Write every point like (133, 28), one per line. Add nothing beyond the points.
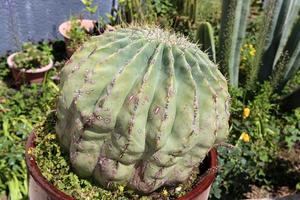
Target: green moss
(55, 167)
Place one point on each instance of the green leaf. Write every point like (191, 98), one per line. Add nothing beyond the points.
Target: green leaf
(92, 9)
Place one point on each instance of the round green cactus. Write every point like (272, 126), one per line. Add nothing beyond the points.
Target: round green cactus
(140, 107)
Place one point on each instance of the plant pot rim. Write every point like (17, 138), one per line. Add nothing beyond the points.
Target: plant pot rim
(85, 23)
(204, 183)
(12, 65)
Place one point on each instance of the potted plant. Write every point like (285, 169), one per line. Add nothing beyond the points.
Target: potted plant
(138, 112)
(77, 30)
(31, 64)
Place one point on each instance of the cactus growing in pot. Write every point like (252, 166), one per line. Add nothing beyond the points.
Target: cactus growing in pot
(142, 109)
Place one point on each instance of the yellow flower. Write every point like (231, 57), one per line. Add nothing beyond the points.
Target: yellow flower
(165, 193)
(30, 151)
(245, 137)
(245, 45)
(51, 136)
(121, 188)
(246, 112)
(252, 52)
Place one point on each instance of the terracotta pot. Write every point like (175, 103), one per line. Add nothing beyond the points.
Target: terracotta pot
(29, 76)
(41, 189)
(65, 27)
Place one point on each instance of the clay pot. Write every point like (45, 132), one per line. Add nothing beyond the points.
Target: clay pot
(65, 27)
(41, 189)
(28, 76)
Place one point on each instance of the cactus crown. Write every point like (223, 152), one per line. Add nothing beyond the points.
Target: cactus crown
(140, 107)
(162, 36)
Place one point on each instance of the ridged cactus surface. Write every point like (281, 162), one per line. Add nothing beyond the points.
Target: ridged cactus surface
(232, 34)
(140, 107)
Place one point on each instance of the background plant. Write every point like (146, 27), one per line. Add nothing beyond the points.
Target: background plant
(77, 34)
(191, 13)
(33, 56)
(89, 7)
(209, 11)
(20, 110)
(255, 137)
(260, 138)
(148, 12)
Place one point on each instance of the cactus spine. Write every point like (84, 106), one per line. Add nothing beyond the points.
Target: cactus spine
(232, 33)
(205, 37)
(140, 107)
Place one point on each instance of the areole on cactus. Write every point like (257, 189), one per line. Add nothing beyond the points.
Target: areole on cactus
(140, 107)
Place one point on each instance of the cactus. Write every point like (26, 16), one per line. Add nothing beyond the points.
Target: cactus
(292, 49)
(278, 40)
(233, 28)
(190, 9)
(205, 37)
(140, 107)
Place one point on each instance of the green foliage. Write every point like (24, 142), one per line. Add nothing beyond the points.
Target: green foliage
(141, 90)
(165, 12)
(209, 11)
(250, 158)
(248, 53)
(200, 10)
(20, 110)
(292, 84)
(89, 6)
(33, 56)
(190, 13)
(77, 34)
(4, 73)
(263, 134)
(146, 12)
(290, 126)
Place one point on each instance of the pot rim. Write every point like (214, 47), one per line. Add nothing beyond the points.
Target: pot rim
(203, 184)
(66, 25)
(85, 23)
(12, 65)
